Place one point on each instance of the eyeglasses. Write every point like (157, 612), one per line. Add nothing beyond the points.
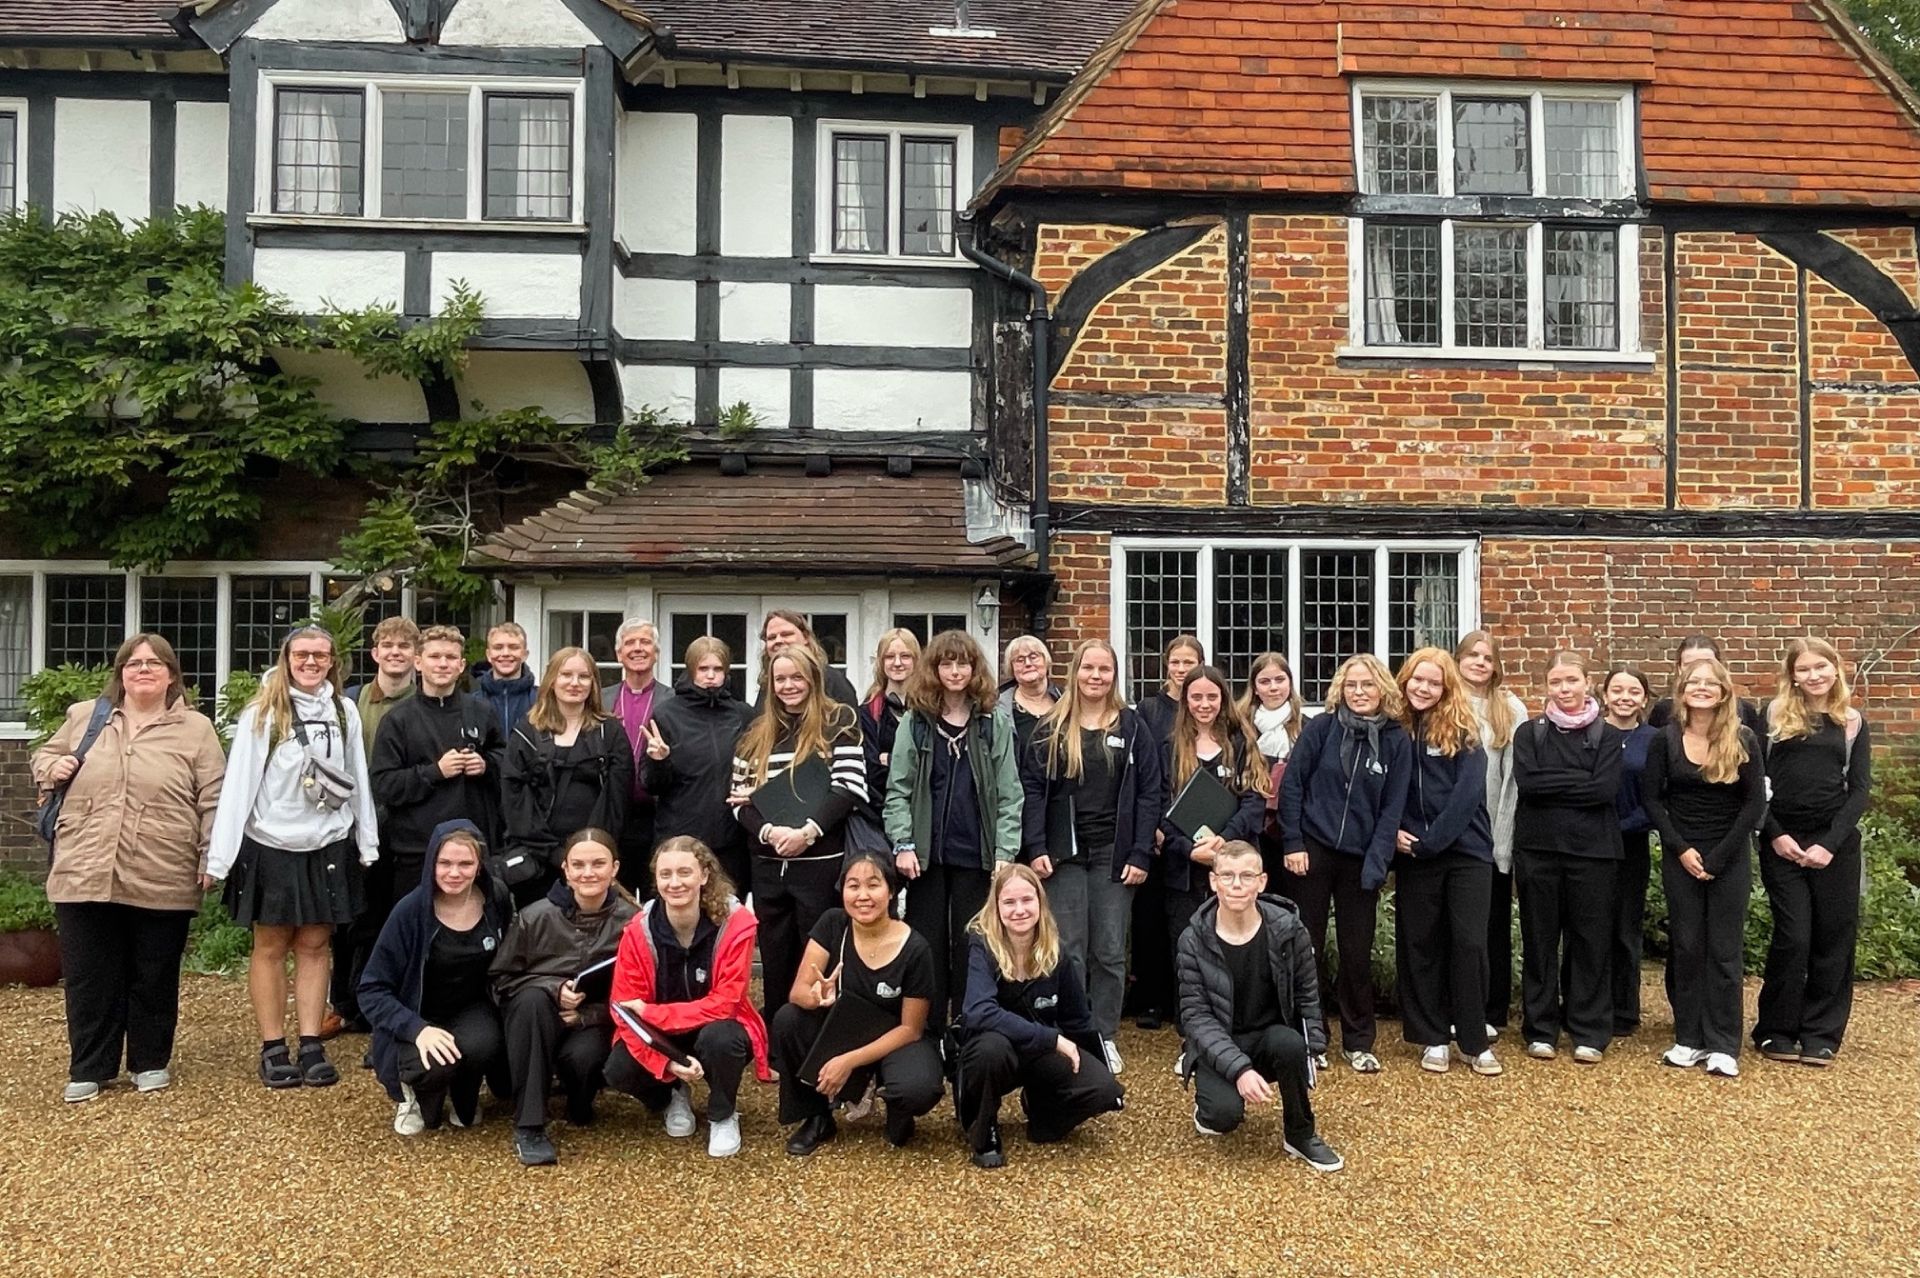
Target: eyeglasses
(1027, 658)
(145, 663)
(1701, 683)
(1250, 878)
(310, 658)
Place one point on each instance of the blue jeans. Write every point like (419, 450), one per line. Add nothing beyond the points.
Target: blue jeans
(1092, 909)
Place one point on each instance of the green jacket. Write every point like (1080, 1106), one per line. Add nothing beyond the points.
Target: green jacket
(996, 780)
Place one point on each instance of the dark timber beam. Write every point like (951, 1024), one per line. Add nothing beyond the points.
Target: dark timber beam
(1855, 275)
(1116, 268)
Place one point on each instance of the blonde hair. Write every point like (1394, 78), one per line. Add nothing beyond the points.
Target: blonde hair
(927, 694)
(1725, 751)
(716, 895)
(1231, 730)
(899, 634)
(272, 706)
(708, 646)
(1391, 703)
(1045, 954)
(1250, 700)
(1062, 723)
(820, 720)
(1450, 726)
(545, 714)
(1791, 714)
(400, 629)
(1501, 721)
(441, 634)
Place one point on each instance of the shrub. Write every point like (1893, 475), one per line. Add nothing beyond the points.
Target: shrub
(23, 903)
(216, 945)
(48, 693)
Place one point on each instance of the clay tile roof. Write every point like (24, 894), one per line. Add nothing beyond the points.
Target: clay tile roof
(776, 520)
(120, 22)
(1742, 101)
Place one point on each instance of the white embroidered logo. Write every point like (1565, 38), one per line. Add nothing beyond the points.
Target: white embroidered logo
(700, 974)
(884, 990)
(486, 942)
(1042, 1004)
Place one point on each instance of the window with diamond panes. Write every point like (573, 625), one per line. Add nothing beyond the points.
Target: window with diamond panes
(86, 618)
(265, 611)
(423, 155)
(1336, 614)
(1163, 601)
(317, 154)
(185, 611)
(1423, 602)
(1249, 608)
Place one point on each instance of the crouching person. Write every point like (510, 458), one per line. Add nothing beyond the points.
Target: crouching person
(1027, 1024)
(680, 995)
(554, 1024)
(1250, 1007)
(425, 991)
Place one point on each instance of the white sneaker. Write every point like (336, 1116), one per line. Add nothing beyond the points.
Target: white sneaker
(1200, 1127)
(1587, 1055)
(1180, 1065)
(723, 1138)
(1363, 1062)
(1485, 1064)
(1542, 1050)
(407, 1120)
(680, 1122)
(864, 1106)
(1683, 1057)
(1112, 1053)
(1723, 1065)
(152, 1080)
(78, 1093)
(1434, 1060)
(1493, 1032)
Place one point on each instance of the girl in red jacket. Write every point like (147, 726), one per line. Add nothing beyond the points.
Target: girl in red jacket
(680, 989)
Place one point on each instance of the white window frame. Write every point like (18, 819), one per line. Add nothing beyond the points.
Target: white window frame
(1627, 246)
(962, 137)
(1468, 549)
(17, 108)
(373, 139)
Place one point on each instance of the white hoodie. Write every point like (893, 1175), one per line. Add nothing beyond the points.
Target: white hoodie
(263, 798)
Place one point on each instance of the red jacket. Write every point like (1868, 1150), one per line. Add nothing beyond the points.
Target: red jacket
(726, 998)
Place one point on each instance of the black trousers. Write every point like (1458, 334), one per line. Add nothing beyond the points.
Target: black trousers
(636, 848)
(477, 1033)
(1629, 929)
(1056, 1097)
(387, 880)
(1807, 995)
(539, 1045)
(1708, 923)
(723, 1050)
(940, 904)
(911, 1081)
(1149, 951)
(1566, 917)
(1333, 880)
(789, 896)
(1280, 1056)
(1440, 933)
(1500, 948)
(121, 966)
(1180, 904)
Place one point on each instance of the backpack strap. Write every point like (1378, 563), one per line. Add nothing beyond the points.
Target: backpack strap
(103, 711)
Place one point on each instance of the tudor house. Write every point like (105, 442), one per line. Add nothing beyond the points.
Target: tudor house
(1591, 323)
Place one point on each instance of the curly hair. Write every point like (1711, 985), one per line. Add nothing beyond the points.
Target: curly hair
(716, 894)
(1391, 703)
(927, 694)
(1450, 726)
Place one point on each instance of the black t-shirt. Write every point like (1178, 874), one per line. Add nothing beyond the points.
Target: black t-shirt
(1098, 793)
(577, 778)
(456, 975)
(1024, 727)
(1256, 1000)
(909, 975)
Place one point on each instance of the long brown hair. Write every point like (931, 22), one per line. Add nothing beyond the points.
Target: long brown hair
(545, 714)
(1175, 644)
(716, 895)
(1062, 723)
(1791, 714)
(1450, 727)
(1045, 954)
(273, 704)
(813, 729)
(928, 695)
(116, 690)
(1725, 751)
(1250, 699)
(1501, 720)
(1231, 730)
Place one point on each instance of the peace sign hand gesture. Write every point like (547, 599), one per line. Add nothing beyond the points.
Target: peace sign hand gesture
(657, 747)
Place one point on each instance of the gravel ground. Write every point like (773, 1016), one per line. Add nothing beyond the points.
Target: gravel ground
(1624, 1169)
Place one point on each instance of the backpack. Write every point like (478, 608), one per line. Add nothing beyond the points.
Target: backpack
(46, 818)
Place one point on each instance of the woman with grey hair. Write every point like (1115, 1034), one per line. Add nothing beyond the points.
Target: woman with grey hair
(1027, 690)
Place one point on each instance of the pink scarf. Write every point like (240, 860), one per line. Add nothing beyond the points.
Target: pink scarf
(1573, 722)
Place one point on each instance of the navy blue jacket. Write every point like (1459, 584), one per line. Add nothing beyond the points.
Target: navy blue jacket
(1046, 820)
(510, 699)
(1176, 849)
(1447, 803)
(1048, 1006)
(1356, 812)
(1633, 761)
(391, 987)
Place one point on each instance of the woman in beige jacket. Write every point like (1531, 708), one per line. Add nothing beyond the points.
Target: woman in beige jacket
(129, 864)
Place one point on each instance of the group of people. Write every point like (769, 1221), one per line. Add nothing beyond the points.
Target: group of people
(538, 886)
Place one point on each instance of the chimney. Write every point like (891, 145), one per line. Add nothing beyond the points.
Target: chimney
(962, 29)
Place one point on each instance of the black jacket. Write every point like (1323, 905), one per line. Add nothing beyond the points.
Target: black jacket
(509, 699)
(1716, 819)
(1046, 819)
(879, 723)
(1336, 793)
(529, 781)
(405, 770)
(1447, 803)
(838, 689)
(553, 940)
(1569, 784)
(1031, 1014)
(689, 786)
(1176, 849)
(1159, 710)
(1206, 987)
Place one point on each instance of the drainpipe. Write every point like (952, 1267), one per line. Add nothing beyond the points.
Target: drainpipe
(1040, 333)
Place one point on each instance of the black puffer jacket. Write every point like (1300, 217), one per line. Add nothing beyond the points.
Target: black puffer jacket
(1206, 989)
(689, 786)
(554, 940)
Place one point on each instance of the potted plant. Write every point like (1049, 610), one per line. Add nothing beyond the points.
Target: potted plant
(29, 950)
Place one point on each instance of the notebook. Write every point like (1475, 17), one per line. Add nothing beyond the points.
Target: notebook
(1203, 806)
(595, 981)
(852, 1023)
(651, 1037)
(796, 795)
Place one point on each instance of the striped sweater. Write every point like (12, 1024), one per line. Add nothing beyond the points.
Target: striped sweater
(849, 787)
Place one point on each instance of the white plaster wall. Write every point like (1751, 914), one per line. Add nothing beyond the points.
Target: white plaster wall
(348, 278)
(551, 381)
(102, 157)
(665, 388)
(515, 285)
(366, 21)
(200, 154)
(525, 23)
(656, 187)
(892, 399)
(645, 308)
(765, 390)
(756, 312)
(347, 390)
(887, 315)
(756, 186)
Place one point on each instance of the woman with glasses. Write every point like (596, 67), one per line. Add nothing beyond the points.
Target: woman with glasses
(295, 814)
(1028, 693)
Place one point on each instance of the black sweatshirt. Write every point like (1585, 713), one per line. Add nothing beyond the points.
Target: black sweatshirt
(1716, 819)
(405, 770)
(1819, 789)
(1569, 784)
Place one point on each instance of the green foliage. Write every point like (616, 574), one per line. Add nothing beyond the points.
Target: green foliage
(641, 445)
(1894, 28)
(23, 903)
(48, 694)
(388, 346)
(216, 945)
(738, 420)
(235, 693)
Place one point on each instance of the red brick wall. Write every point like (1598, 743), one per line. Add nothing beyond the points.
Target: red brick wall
(20, 848)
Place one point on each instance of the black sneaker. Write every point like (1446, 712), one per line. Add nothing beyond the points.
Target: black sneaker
(531, 1146)
(1818, 1057)
(1778, 1047)
(1316, 1153)
(812, 1134)
(990, 1157)
(899, 1127)
(580, 1115)
(1148, 1020)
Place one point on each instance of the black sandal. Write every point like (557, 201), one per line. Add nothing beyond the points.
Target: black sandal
(315, 1069)
(276, 1069)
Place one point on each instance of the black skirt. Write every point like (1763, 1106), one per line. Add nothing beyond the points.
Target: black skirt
(277, 888)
